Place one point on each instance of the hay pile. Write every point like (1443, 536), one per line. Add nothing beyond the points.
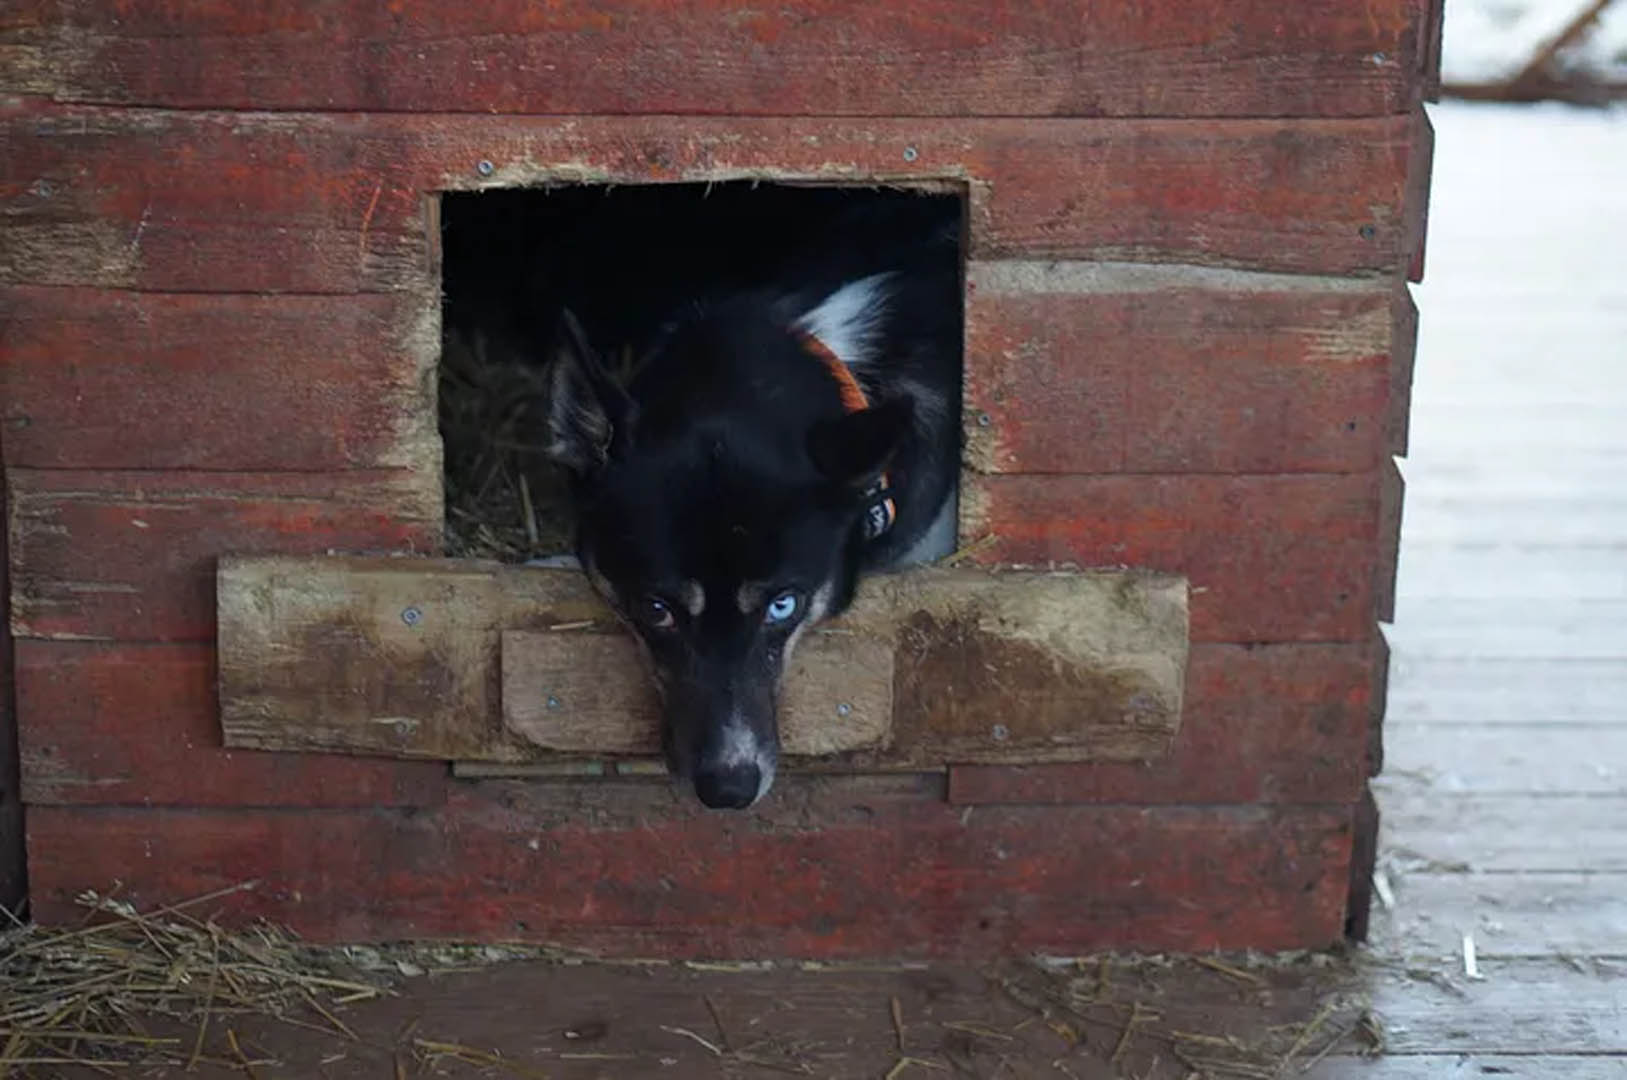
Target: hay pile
(114, 992)
(504, 499)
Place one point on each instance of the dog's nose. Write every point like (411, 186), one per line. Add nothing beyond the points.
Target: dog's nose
(732, 787)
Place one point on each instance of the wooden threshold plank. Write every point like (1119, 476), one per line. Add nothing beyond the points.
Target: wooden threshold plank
(1507, 760)
(1465, 1066)
(1519, 1007)
(1519, 692)
(473, 661)
(1558, 833)
(1510, 915)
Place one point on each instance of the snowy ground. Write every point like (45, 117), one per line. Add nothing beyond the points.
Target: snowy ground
(1488, 41)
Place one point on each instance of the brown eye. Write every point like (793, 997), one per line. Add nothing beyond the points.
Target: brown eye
(655, 614)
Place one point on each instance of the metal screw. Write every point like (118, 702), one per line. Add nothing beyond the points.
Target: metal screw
(553, 702)
(1001, 733)
(910, 153)
(412, 616)
(844, 709)
(984, 419)
(1367, 232)
(484, 167)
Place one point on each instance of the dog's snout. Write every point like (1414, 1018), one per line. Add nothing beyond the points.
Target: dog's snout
(728, 787)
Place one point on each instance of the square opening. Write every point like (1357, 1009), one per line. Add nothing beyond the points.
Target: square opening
(624, 259)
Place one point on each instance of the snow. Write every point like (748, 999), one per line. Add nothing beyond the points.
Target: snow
(1488, 41)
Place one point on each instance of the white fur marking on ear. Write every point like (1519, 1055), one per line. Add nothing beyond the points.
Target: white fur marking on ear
(848, 321)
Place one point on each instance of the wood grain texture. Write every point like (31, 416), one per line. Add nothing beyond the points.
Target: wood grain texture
(1415, 212)
(1262, 724)
(139, 725)
(94, 378)
(1502, 833)
(1084, 368)
(131, 555)
(1539, 915)
(907, 58)
(1270, 558)
(828, 867)
(13, 859)
(1520, 1006)
(404, 657)
(588, 694)
(1403, 355)
(179, 201)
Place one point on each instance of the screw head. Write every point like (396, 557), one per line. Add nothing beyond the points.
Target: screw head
(412, 616)
(910, 153)
(484, 167)
(984, 419)
(553, 702)
(1000, 732)
(1368, 232)
(844, 709)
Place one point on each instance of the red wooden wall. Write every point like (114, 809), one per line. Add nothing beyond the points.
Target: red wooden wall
(1189, 347)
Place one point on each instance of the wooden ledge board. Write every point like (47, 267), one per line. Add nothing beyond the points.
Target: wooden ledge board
(457, 660)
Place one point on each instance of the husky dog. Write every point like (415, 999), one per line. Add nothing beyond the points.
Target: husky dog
(770, 446)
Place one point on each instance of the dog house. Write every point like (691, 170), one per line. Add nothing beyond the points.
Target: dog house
(1136, 708)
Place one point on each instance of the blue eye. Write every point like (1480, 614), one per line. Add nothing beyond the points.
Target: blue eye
(781, 608)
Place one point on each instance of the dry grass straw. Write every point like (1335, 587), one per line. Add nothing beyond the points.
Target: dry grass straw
(504, 499)
(86, 996)
(1146, 1004)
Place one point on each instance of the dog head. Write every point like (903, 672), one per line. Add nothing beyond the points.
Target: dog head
(720, 498)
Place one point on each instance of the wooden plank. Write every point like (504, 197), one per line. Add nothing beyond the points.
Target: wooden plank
(131, 555)
(93, 379)
(1520, 1006)
(1505, 760)
(1415, 209)
(1505, 833)
(182, 201)
(1365, 821)
(1270, 558)
(1489, 570)
(139, 725)
(1560, 629)
(581, 694)
(403, 657)
(1262, 724)
(1245, 57)
(13, 858)
(1463, 1066)
(1469, 691)
(1392, 497)
(1084, 368)
(1403, 354)
(1572, 915)
(827, 867)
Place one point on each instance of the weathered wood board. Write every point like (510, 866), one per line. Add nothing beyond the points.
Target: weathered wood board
(408, 658)
(824, 57)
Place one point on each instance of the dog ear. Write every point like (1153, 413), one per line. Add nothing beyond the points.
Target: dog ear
(587, 411)
(853, 451)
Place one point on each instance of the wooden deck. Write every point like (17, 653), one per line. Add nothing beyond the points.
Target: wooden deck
(1504, 796)
(1505, 786)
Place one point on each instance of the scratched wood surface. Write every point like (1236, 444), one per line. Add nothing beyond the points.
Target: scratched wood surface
(315, 203)
(830, 57)
(458, 660)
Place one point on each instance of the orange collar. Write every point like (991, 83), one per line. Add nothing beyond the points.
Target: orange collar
(881, 511)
